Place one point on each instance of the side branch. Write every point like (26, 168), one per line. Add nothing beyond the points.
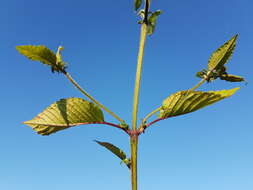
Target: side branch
(144, 127)
(92, 99)
(150, 114)
(202, 81)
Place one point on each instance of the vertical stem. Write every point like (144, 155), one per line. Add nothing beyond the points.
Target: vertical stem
(134, 150)
(134, 134)
(138, 74)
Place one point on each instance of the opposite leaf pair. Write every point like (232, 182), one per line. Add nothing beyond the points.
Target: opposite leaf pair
(71, 112)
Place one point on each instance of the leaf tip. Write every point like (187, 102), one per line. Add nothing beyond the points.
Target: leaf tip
(230, 92)
(25, 122)
(236, 36)
(235, 89)
(19, 48)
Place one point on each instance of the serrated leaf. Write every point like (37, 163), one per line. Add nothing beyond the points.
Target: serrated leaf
(232, 78)
(152, 20)
(65, 113)
(137, 4)
(221, 56)
(42, 54)
(116, 151)
(184, 102)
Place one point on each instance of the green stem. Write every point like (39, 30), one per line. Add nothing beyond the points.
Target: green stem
(202, 81)
(134, 134)
(150, 114)
(134, 150)
(198, 85)
(138, 74)
(93, 99)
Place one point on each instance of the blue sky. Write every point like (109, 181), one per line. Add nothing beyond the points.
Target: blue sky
(208, 149)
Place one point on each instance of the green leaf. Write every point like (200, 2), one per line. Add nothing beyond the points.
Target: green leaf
(42, 54)
(184, 102)
(65, 113)
(221, 56)
(124, 126)
(152, 20)
(201, 74)
(232, 78)
(58, 54)
(115, 150)
(137, 4)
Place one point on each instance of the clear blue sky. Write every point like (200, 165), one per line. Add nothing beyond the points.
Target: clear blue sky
(208, 149)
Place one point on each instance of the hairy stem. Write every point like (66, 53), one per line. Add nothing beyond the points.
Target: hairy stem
(92, 99)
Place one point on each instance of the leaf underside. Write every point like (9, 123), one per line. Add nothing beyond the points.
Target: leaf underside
(44, 55)
(38, 53)
(184, 102)
(116, 151)
(65, 113)
(221, 56)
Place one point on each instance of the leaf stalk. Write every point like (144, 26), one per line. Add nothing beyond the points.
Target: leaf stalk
(201, 81)
(91, 98)
(150, 114)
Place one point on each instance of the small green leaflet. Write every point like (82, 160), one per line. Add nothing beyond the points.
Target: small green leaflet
(115, 150)
(152, 21)
(58, 55)
(124, 126)
(221, 56)
(232, 78)
(44, 55)
(202, 74)
(219, 73)
(65, 113)
(184, 102)
(137, 4)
